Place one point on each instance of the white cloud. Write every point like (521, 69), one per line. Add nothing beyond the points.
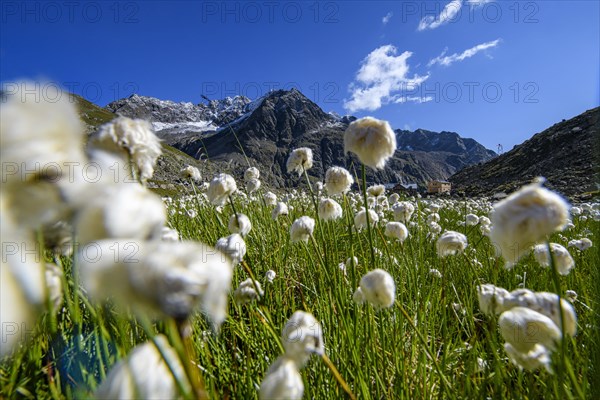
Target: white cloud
(413, 99)
(445, 60)
(478, 3)
(387, 18)
(382, 78)
(448, 13)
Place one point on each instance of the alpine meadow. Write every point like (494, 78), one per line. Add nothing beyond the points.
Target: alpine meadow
(311, 226)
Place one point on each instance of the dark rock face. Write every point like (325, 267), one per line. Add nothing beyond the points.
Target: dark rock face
(464, 151)
(564, 154)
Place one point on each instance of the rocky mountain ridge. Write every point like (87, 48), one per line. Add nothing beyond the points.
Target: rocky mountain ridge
(268, 128)
(567, 154)
(169, 117)
(452, 142)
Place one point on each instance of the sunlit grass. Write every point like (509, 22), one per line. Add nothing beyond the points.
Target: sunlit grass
(434, 342)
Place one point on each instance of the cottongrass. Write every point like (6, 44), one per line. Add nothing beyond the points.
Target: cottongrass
(150, 371)
(302, 229)
(221, 187)
(525, 218)
(372, 140)
(378, 288)
(560, 256)
(338, 181)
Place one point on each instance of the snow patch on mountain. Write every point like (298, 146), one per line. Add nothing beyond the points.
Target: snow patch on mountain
(180, 127)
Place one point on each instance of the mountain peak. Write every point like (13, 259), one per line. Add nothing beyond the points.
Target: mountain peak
(282, 109)
(445, 141)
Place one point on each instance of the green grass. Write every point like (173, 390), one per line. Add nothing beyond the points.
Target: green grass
(379, 353)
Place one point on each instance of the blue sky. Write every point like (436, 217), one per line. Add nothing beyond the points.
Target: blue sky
(496, 71)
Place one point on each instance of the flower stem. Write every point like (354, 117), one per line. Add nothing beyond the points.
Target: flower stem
(563, 343)
(364, 187)
(443, 379)
(338, 377)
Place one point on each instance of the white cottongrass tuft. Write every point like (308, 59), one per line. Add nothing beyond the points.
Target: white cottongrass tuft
(160, 278)
(360, 219)
(396, 230)
(247, 292)
(270, 198)
(300, 160)
(358, 296)
(144, 374)
(253, 185)
(435, 273)
(221, 187)
(491, 298)
(497, 300)
(251, 174)
(378, 288)
(191, 172)
(372, 140)
(376, 190)
(169, 235)
(38, 133)
(302, 336)
(571, 295)
(241, 224)
(562, 259)
(41, 144)
(270, 276)
(538, 356)
(191, 213)
(403, 211)
(450, 243)
(302, 229)
(352, 262)
(530, 322)
(329, 210)
(21, 284)
(433, 217)
(525, 218)
(133, 139)
(545, 303)
(485, 226)
(338, 181)
(471, 219)
(485, 221)
(434, 228)
(529, 337)
(581, 244)
(434, 207)
(282, 381)
(119, 211)
(233, 246)
(280, 209)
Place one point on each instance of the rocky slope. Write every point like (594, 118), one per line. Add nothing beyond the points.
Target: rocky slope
(566, 154)
(267, 130)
